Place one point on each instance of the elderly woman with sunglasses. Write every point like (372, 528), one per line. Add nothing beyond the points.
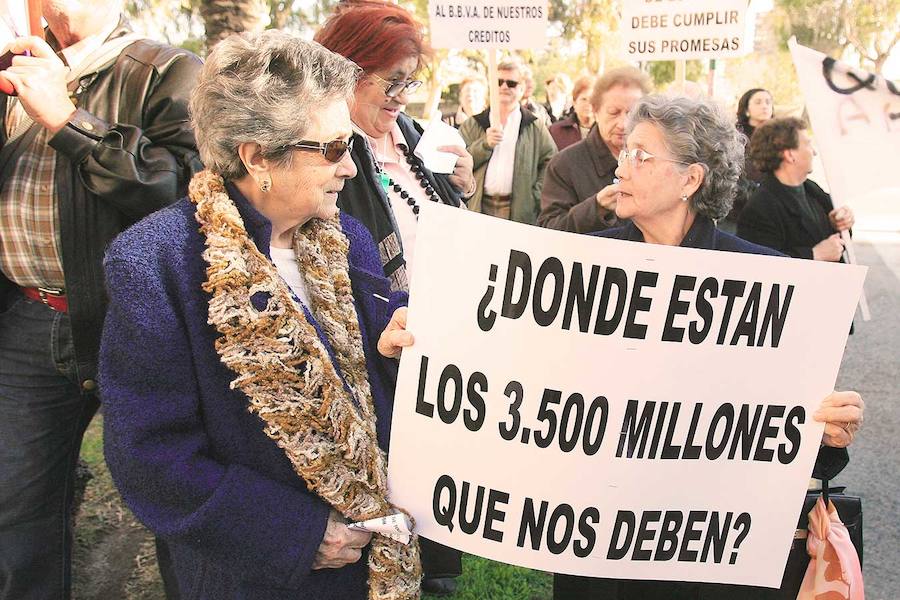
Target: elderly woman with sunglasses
(247, 406)
(677, 174)
(387, 43)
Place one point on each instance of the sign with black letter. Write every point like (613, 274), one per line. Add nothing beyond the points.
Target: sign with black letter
(614, 409)
(680, 30)
(508, 24)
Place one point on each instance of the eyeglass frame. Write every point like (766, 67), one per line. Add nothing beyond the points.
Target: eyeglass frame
(625, 154)
(323, 148)
(407, 85)
(501, 81)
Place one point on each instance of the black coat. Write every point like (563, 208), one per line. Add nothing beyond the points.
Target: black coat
(772, 218)
(702, 234)
(127, 151)
(365, 200)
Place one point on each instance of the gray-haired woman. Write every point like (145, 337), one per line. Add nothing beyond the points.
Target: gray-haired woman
(677, 174)
(246, 406)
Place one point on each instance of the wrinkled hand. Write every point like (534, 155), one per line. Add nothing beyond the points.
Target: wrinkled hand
(395, 338)
(340, 546)
(842, 218)
(842, 413)
(462, 177)
(493, 136)
(40, 82)
(607, 197)
(829, 249)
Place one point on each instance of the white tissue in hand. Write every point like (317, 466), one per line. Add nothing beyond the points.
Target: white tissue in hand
(396, 526)
(439, 134)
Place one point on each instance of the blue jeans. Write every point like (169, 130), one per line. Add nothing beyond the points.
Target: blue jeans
(43, 416)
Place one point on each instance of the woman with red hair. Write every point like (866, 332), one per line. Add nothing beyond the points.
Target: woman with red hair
(387, 44)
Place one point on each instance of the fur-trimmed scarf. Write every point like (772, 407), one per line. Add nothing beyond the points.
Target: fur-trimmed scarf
(284, 369)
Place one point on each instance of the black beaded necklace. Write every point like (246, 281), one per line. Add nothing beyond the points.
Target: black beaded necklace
(388, 183)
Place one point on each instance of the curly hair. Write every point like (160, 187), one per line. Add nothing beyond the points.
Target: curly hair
(697, 131)
(265, 88)
(771, 139)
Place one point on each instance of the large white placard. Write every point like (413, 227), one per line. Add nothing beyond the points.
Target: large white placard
(683, 30)
(564, 409)
(856, 119)
(509, 24)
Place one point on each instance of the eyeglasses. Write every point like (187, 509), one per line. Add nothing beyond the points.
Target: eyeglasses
(637, 157)
(510, 83)
(333, 151)
(394, 88)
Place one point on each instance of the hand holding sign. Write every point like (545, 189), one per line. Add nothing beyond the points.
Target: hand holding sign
(842, 413)
(395, 338)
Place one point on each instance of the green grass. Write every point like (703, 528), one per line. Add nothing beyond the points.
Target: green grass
(103, 519)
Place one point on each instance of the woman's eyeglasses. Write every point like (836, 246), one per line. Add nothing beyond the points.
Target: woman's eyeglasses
(638, 156)
(394, 88)
(333, 151)
(510, 83)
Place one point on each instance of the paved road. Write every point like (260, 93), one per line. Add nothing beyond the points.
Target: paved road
(872, 366)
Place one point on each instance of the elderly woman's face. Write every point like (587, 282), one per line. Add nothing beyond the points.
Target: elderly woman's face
(308, 185)
(373, 111)
(473, 97)
(583, 108)
(610, 115)
(649, 192)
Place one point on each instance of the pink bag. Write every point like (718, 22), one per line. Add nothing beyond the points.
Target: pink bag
(834, 572)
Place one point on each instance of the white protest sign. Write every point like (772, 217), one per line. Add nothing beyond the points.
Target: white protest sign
(541, 419)
(680, 30)
(856, 120)
(13, 20)
(509, 24)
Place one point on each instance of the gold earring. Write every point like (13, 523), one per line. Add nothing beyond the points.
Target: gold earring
(265, 185)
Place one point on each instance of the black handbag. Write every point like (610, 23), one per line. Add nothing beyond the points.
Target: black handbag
(849, 509)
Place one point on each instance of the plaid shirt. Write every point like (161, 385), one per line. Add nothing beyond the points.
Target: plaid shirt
(29, 239)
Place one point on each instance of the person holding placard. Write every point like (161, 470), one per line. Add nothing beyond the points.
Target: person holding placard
(789, 212)
(511, 155)
(579, 194)
(576, 126)
(388, 44)
(678, 173)
(246, 408)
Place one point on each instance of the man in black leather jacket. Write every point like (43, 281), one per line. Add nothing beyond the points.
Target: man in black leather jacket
(96, 138)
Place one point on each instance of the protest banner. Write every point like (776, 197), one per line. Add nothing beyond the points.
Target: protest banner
(855, 117)
(856, 120)
(476, 24)
(606, 408)
(676, 30)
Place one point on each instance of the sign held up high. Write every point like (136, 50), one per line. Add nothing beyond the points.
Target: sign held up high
(508, 24)
(680, 30)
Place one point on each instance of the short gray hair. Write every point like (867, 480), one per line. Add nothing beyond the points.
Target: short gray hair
(697, 131)
(511, 64)
(263, 87)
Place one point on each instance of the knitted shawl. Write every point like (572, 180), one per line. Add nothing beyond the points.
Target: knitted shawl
(325, 424)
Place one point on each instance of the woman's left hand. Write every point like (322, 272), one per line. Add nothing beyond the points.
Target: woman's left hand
(842, 413)
(395, 337)
(462, 177)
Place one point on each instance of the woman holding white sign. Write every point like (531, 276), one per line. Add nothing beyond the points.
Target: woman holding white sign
(677, 174)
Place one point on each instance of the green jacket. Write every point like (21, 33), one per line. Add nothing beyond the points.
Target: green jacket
(534, 149)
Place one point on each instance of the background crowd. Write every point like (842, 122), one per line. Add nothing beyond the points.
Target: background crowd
(275, 188)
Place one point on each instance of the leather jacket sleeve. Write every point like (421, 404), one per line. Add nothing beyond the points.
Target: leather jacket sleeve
(139, 169)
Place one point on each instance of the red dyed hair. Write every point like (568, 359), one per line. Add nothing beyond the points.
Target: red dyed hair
(375, 35)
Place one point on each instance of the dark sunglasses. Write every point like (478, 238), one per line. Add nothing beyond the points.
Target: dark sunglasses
(510, 83)
(393, 88)
(333, 151)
